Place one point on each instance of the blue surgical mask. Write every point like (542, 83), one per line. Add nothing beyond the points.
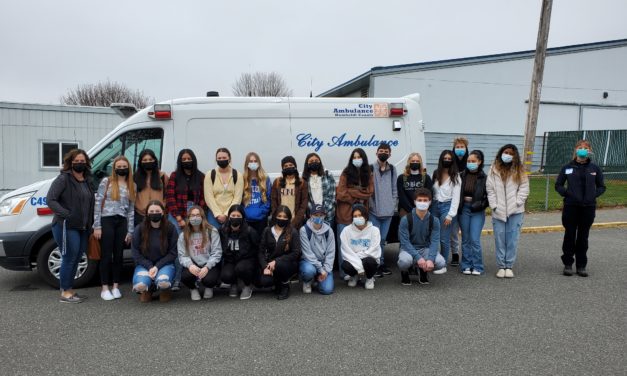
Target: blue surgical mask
(358, 162)
(359, 221)
(582, 153)
(472, 166)
(253, 166)
(317, 220)
(460, 152)
(506, 158)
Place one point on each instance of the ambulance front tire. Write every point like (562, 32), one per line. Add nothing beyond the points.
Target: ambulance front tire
(49, 264)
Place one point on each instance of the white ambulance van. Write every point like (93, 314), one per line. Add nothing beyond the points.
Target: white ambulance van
(272, 127)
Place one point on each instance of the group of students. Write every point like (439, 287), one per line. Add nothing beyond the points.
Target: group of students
(231, 228)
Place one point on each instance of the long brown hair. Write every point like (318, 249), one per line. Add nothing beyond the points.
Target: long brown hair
(163, 225)
(262, 177)
(287, 230)
(113, 180)
(205, 229)
(69, 157)
(423, 170)
(514, 169)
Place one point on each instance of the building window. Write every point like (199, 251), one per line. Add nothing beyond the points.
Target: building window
(52, 152)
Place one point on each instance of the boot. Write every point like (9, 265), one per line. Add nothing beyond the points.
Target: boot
(145, 297)
(284, 291)
(455, 259)
(165, 295)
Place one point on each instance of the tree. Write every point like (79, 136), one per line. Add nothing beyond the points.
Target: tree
(261, 84)
(103, 94)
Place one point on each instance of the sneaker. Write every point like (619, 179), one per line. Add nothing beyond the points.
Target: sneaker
(568, 270)
(72, 299)
(423, 278)
(165, 296)
(385, 270)
(233, 291)
(440, 271)
(476, 272)
(379, 273)
(307, 287)
(208, 294)
(145, 297)
(405, 280)
(369, 284)
(352, 281)
(455, 259)
(500, 273)
(105, 295)
(176, 286)
(509, 273)
(195, 294)
(116, 293)
(347, 277)
(582, 272)
(224, 285)
(467, 271)
(247, 292)
(284, 291)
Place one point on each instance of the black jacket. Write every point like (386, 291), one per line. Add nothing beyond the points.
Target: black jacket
(156, 255)
(63, 198)
(480, 195)
(585, 183)
(270, 249)
(247, 244)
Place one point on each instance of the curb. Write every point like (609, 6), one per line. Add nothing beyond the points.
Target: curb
(560, 228)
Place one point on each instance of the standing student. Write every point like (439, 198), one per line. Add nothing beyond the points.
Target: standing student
(460, 148)
(413, 177)
(291, 191)
(240, 252)
(150, 183)
(507, 188)
(318, 252)
(580, 182)
(71, 199)
(320, 187)
(383, 200)
(446, 188)
(279, 253)
(361, 248)
(154, 250)
(199, 253)
(356, 186)
(257, 193)
(223, 188)
(114, 213)
(474, 199)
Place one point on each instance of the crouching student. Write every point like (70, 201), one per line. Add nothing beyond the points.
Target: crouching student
(318, 252)
(419, 234)
(279, 252)
(199, 251)
(154, 252)
(361, 248)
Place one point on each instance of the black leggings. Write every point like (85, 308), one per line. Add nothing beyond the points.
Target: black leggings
(577, 221)
(210, 280)
(283, 271)
(114, 230)
(244, 269)
(258, 226)
(369, 263)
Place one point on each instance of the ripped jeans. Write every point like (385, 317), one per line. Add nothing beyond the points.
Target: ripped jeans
(163, 281)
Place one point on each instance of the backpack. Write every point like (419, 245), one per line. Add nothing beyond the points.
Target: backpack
(233, 171)
(310, 233)
(410, 223)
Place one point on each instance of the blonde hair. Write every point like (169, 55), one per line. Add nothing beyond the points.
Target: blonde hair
(205, 229)
(261, 179)
(407, 171)
(460, 140)
(113, 181)
(580, 143)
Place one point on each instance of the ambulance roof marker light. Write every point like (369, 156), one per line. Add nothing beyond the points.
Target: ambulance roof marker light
(161, 112)
(397, 109)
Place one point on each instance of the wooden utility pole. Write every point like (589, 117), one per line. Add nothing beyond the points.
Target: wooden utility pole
(536, 83)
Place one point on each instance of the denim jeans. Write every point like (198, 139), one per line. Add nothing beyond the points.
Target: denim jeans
(177, 227)
(383, 224)
(308, 272)
(71, 252)
(162, 281)
(441, 211)
(406, 261)
(471, 225)
(338, 256)
(212, 220)
(506, 236)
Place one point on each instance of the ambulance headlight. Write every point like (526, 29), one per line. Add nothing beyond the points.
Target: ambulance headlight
(13, 205)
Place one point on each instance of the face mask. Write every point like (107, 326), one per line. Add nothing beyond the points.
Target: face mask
(223, 163)
(422, 205)
(187, 165)
(253, 166)
(282, 222)
(79, 167)
(289, 171)
(359, 221)
(472, 166)
(317, 220)
(195, 221)
(315, 166)
(149, 166)
(582, 153)
(121, 171)
(358, 162)
(383, 157)
(447, 164)
(460, 152)
(155, 217)
(506, 158)
(236, 222)
(414, 166)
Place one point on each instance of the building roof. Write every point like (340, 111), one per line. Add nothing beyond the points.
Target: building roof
(363, 80)
(56, 107)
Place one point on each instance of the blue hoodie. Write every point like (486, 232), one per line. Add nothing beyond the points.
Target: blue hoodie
(256, 209)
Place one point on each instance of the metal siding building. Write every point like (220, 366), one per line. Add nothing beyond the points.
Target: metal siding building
(30, 133)
(484, 98)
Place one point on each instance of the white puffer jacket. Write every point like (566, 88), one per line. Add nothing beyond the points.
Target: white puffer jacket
(506, 199)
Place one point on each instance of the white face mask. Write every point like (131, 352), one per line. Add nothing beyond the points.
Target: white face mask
(253, 166)
(506, 158)
(422, 205)
(358, 162)
(359, 221)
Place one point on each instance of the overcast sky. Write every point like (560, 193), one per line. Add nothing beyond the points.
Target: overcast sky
(173, 49)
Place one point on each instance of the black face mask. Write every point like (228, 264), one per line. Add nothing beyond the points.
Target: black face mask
(315, 166)
(79, 167)
(121, 171)
(290, 171)
(187, 165)
(149, 166)
(282, 222)
(447, 164)
(236, 222)
(383, 157)
(414, 166)
(155, 217)
(223, 163)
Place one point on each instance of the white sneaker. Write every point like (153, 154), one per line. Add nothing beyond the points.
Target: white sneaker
(195, 294)
(307, 287)
(208, 294)
(352, 281)
(247, 292)
(369, 284)
(106, 295)
(467, 271)
(347, 277)
(509, 273)
(116, 293)
(500, 273)
(476, 272)
(440, 271)
(224, 285)
(233, 290)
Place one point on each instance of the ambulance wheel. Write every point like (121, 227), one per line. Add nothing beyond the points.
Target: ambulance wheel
(49, 266)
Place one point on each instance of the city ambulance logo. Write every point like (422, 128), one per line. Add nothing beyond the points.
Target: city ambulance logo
(363, 110)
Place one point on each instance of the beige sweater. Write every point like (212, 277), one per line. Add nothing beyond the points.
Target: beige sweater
(506, 198)
(220, 198)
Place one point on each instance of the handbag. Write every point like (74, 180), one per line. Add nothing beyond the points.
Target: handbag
(93, 244)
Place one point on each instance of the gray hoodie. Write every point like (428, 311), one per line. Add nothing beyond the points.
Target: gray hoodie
(383, 201)
(209, 255)
(320, 250)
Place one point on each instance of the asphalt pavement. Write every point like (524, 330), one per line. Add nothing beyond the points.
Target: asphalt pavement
(539, 323)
